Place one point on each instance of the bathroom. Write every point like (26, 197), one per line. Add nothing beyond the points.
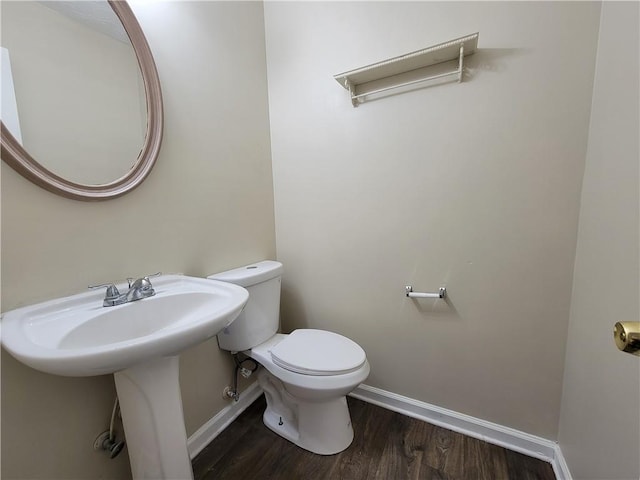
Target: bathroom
(516, 188)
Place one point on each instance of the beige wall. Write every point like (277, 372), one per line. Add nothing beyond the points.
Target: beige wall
(600, 416)
(476, 186)
(207, 206)
(473, 185)
(78, 93)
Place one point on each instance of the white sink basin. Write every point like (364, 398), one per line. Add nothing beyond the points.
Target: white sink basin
(139, 343)
(77, 336)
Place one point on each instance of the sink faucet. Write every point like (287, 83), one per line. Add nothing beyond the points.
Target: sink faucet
(138, 289)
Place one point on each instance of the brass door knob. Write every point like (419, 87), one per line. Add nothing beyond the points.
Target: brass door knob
(627, 337)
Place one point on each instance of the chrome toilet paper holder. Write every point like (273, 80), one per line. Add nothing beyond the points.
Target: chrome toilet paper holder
(408, 290)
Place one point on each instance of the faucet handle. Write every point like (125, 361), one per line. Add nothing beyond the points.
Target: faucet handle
(112, 290)
(112, 296)
(131, 280)
(146, 283)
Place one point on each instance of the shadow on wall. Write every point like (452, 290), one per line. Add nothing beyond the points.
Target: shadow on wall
(490, 60)
(483, 60)
(292, 312)
(436, 309)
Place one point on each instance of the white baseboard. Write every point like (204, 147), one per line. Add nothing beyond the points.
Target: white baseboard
(500, 435)
(560, 467)
(210, 430)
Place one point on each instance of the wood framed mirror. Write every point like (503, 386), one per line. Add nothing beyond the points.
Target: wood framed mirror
(151, 127)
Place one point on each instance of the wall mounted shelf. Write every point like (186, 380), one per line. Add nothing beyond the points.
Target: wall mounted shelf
(362, 82)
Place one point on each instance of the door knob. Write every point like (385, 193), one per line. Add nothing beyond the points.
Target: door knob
(627, 337)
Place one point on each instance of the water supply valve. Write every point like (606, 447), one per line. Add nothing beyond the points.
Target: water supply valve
(230, 394)
(110, 445)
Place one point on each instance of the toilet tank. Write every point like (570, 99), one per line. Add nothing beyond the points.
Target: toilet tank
(260, 318)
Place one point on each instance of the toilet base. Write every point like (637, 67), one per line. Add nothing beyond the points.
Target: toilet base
(320, 427)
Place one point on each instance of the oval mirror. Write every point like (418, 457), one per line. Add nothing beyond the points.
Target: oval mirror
(89, 105)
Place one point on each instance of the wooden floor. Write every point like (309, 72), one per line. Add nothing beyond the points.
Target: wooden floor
(386, 446)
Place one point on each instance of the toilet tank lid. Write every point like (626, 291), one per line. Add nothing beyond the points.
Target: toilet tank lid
(250, 274)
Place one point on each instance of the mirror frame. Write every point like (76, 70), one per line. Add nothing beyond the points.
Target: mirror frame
(21, 161)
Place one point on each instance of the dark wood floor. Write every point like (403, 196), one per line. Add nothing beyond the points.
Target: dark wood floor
(387, 446)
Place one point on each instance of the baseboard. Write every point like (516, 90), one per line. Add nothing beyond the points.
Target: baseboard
(500, 435)
(560, 467)
(210, 430)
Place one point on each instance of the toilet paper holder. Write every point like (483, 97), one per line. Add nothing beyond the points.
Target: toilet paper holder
(408, 290)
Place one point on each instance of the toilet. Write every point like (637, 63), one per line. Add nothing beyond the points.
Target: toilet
(307, 373)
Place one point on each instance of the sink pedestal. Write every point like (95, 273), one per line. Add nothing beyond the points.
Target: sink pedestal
(151, 406)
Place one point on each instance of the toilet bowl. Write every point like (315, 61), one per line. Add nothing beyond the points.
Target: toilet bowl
(307, 373)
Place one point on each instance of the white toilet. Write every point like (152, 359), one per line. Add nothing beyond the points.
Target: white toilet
(307, 374)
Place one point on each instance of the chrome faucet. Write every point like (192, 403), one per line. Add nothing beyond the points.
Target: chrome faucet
(138, 289)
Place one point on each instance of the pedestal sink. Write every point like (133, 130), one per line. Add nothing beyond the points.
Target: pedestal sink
(139, 342)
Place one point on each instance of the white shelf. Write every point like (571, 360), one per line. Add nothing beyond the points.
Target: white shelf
(356, 80)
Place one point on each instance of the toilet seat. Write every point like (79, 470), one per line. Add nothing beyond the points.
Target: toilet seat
(318, 352)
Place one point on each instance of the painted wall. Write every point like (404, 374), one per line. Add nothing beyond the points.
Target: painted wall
(600, 416)
(475, 186)
(207, 206)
